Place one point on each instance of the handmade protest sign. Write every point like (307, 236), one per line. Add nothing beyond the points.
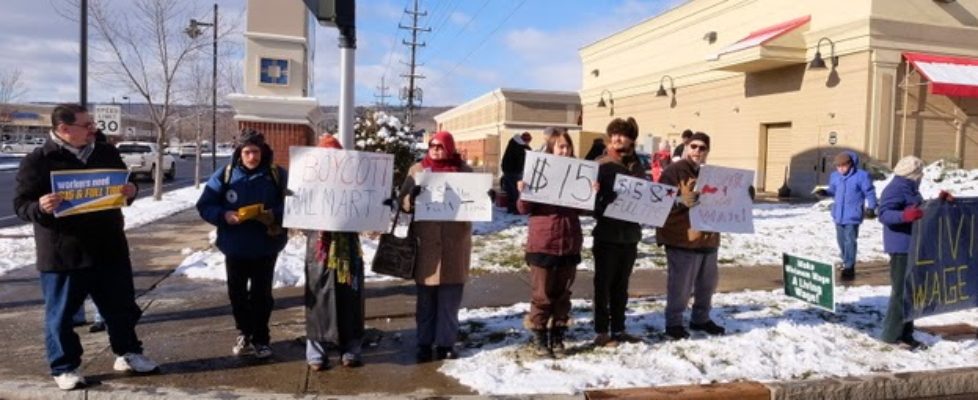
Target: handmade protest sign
(88, 190)
(641, 201)
(453, 196)
(724, 204)
(942, 266)
(810, 281)
(338, 190)
(562, 181)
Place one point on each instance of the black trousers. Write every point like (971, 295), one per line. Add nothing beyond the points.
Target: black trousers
(250, 292)
(613, 264)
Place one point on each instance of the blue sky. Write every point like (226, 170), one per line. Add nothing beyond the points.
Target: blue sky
(475, 45)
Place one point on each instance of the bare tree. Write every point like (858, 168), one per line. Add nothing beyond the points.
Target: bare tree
(145, 47)
(11, 85)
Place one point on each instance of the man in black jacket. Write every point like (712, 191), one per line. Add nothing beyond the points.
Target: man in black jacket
(512, 166)
(81, 254)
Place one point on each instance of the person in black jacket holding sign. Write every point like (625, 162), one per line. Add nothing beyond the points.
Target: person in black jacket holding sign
(80, 254)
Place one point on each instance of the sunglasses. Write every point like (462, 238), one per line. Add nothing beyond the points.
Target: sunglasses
(436, 146)
(699, 147)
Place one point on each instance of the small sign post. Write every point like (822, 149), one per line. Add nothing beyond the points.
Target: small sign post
(810, 281)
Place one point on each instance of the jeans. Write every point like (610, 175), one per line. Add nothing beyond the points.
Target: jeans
(690, 273)
(250, 292)
(64, 292)
(613, 263)
(847, 235)
(437, 314)
(316, 351)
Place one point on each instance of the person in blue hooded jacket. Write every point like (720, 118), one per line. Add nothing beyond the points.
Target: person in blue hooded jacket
(245, 200)
(855, 199)
(899, 207)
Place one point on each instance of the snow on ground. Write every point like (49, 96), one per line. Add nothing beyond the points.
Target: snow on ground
(801, 229)
(769, 337)
(17, 243)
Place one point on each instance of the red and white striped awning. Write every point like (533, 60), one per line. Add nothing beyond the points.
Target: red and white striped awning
(948, 75)
(762, 36)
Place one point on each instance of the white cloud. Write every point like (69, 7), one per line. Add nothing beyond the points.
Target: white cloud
(459, 18)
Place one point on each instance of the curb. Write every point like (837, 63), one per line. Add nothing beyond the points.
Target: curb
(32, 390)
(923, 384)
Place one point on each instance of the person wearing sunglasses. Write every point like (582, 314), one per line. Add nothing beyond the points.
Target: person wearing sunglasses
(691, 255)
(443, 257)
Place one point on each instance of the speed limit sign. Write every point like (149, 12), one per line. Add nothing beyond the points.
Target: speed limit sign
(108, 119)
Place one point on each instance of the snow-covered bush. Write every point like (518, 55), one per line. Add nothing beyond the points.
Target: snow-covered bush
(382, 133)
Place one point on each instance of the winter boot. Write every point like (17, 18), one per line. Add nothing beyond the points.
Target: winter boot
(557, 340)
(541, 343)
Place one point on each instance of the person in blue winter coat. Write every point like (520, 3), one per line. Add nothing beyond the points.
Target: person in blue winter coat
(245, 200)
(899, 208)
(855, 199)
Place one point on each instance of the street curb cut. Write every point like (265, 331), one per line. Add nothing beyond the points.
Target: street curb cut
(901, 385)
(32, 390)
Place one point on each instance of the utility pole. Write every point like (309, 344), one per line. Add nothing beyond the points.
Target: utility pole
(411, 94)
(382, 104)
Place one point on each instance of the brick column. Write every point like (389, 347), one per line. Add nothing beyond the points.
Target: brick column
(280, 136)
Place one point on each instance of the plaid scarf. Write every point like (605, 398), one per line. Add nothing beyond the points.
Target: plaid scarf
(82, 154)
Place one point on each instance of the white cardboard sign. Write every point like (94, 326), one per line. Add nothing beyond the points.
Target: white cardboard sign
(338, 190)
(724, 203)
(562, 181)
(642, 201)
(453, 196)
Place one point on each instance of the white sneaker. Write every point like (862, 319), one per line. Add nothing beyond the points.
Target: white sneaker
(70, 380)
(133, 362)
(242, 346)
(263, 351)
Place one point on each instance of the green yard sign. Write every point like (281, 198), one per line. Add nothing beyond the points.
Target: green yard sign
(810, 281)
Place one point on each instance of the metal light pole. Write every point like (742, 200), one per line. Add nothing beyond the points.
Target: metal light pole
(83, 56)
(194, 31)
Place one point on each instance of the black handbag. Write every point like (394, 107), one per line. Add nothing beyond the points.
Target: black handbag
(397, 256)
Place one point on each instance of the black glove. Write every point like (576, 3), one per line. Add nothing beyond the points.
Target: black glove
(389, 202)
(870, 213)
(822, 193)
(751, 192)
(492, 195)
(415, 191)
(611, 197)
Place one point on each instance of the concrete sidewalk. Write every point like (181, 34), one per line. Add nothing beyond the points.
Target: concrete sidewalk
(188, 329)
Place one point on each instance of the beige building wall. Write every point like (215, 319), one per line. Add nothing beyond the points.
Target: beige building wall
(273, 33)
(483, 126)
(763, 108)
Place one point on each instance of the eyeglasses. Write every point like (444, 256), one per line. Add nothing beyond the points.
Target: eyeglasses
(436, 146)
(699, 147)
(88, 126)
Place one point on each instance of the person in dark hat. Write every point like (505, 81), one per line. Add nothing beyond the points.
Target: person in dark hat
(677, 153)
(855, 200)
(512, 166)
(245, 201)
(615, 241)
(691, 255)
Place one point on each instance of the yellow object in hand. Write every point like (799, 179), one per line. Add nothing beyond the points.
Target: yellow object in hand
(250, 212)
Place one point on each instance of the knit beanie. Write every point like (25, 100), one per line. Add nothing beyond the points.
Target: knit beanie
(329, 141)
(843, 158)
(910, 167)
(701, 137)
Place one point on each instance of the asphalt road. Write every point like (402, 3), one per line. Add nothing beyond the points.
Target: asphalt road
(184, 178)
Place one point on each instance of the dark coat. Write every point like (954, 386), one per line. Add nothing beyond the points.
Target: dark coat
(610, 229)
(897, 196)
(73, 242)
(334, 311)
(514, 157)
(851, 192)
(250, 238)
(552, 229)
(678, 231)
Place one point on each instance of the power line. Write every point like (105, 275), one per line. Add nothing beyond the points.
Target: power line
(383, 94)
(463, 28)
(485, 39)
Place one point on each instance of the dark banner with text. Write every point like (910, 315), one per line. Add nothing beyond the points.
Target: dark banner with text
(942, 274)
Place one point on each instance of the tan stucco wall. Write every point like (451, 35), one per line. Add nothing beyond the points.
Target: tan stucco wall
(272, 32)
(859, 102)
